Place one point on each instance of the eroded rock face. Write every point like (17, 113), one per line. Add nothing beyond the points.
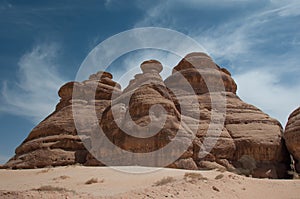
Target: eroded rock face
(55, 142)
(145, 108)
(198, 102)
(292, 137)
(247, 130)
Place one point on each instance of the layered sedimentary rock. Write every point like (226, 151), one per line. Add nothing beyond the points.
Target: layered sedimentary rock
(54, 142)
(292, 137)
(150, 119)
(247, 131)
(196, 108)
(144, 92)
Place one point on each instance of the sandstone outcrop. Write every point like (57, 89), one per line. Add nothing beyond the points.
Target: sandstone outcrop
(195, 107)
(247, 130)
(54, 142)
(292, 137)
(144, 101)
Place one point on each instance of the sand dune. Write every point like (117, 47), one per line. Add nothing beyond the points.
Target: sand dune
(72, 182)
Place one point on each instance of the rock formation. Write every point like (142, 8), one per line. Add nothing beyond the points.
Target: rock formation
(247, 133)
(292, 137)
(188, 103)
(54, 142)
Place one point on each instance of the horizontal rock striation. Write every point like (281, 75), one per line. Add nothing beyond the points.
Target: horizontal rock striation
(195, 107)
(247, 131)
(55, 142)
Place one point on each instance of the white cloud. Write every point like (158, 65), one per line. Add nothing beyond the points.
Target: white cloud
(34, 93)
(241, 36)
(226, 41)
(260, 76)
(264, 89)
(263, 77)
(285, 8)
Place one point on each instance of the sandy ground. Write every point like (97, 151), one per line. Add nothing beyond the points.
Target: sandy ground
(70, 182)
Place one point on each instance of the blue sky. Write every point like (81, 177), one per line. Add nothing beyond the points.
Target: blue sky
(43, 44)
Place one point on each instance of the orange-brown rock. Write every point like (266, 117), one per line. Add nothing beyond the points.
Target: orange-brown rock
(247, 131)
(197, 101)
(292, 137)
(137, 105)
(200, 71)
(55, 142)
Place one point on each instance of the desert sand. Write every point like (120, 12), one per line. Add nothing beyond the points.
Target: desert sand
(105, 182)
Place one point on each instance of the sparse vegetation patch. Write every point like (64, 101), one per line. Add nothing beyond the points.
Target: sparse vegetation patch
(164, 181)
(193, 177)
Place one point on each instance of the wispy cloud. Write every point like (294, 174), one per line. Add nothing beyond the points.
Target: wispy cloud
(225, 35)
(285, 8)
(247, 35)
(226, 41)
(263, 57)
(34, 93)
(264, 89)
(259, 44)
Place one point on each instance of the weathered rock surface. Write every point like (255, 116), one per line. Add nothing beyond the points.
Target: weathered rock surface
(55, 142)
(148, 109)
(198, 102)
(247, 130)
(292, 137)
